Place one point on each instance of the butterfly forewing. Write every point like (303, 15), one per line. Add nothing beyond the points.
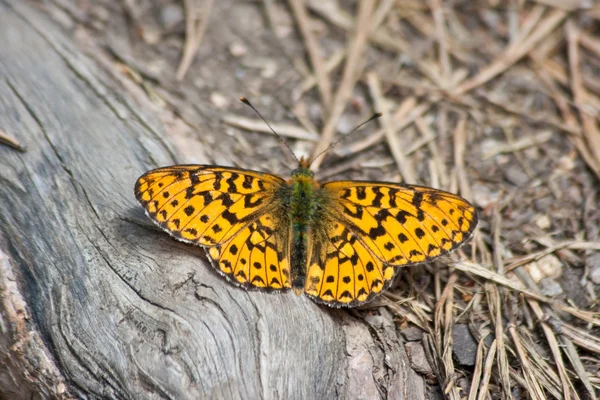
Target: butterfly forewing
(230, 211)
(205, 205)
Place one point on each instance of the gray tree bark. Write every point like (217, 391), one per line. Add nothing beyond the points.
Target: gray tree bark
(95, 303)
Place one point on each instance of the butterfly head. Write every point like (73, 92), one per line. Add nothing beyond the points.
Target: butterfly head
(303, 168)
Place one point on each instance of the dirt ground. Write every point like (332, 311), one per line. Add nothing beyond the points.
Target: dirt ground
(495, 100)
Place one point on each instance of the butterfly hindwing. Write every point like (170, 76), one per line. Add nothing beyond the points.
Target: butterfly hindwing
(205, 204)
(343, 271)
(256, 257)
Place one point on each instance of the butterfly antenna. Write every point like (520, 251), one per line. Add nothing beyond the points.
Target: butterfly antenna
(246, 102)
(373, 117)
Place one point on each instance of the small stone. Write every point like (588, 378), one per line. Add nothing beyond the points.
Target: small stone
(567, 162)
(269, 69)
(483, 195)
(544, 203)
(594, 260)
(171, 15)
(412, 334)
(549, 287)
(416, 356)
(375, 320)
(150, 35)
(551, 266)
(515, 175)
(219, 100)
(543, 221)
(464, 345)
(534, 271)
(237, 49)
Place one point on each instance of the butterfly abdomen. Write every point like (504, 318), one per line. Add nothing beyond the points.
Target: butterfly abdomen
(304, 210)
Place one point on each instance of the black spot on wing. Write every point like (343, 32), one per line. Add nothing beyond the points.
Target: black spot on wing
(417, 199)
(378, 196)
(414, 253)
(346, 294)
(226, 263)
(382, 215)
(258, 279)
(248, 203)
(225, 199)
(377, 232)
(376, 283)
(358, 214)
(361, 192)
(402, 215)
(241, 274)
(230, 217)
(217, 182)
(189, 210)
(248, 180)
(231, 186)
(275, 282)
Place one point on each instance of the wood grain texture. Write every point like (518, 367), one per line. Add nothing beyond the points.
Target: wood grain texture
(95, 302)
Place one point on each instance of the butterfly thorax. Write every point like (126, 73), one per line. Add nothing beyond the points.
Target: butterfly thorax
(304, 206)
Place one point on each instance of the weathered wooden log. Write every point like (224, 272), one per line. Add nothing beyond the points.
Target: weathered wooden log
(94, 302)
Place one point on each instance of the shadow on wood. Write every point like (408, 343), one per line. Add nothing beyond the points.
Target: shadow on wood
(95, 301)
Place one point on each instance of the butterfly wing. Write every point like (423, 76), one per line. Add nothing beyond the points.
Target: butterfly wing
(224, 209)
(342, 270)
(257, 256)
(374, 228)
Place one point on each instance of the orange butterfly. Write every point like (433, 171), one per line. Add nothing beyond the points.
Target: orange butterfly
(341, 243)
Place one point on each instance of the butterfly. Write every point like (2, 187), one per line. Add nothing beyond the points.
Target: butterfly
(340, 243)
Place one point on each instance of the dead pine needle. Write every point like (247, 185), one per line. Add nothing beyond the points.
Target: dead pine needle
(11, 142)
(196, 22)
